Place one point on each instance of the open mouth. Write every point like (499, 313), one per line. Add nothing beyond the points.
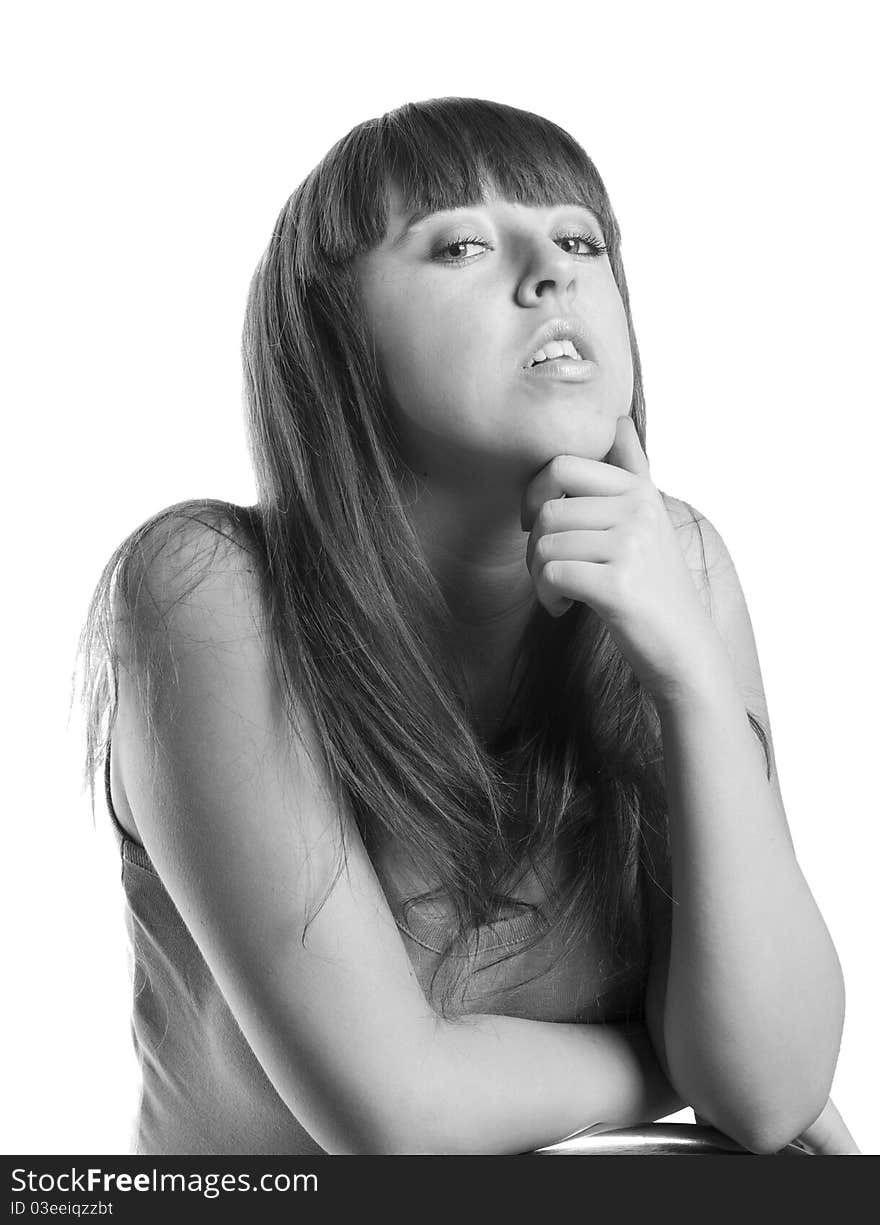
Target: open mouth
(553, 350)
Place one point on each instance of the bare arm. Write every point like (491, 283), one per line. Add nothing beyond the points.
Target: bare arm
(827, 1136)
(752, 1008)
(516, 1079)
(750, 1021)
(238, 818)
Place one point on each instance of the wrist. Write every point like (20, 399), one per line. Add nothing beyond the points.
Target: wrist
(708, 685)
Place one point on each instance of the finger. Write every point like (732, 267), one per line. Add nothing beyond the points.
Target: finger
(573, 476)
(586, 582)
(627, 452)
(590, 513)
(568, 546)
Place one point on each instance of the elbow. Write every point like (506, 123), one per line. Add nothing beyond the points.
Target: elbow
(400, 1138)
(434, 1143)
(799, 1103)
(434, 1116)
(768, 1132)
(424, 1108)
(767, 1106)
(420, 1124)
(765, 1111)
(406, 1137)
(429, 1128)
(387, 1130)
(413, 1134)
(770, 1138)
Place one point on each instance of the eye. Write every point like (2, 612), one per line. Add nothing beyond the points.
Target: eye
(468, 247)
(580, 244)
(460, 250)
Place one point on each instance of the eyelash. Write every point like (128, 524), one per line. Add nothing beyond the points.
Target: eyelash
(597, 248)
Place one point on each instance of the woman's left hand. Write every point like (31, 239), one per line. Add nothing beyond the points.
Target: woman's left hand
(600, 533)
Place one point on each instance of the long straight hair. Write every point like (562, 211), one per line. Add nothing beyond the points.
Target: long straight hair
(356, 621)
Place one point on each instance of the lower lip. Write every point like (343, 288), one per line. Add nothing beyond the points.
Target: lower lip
(565, 370)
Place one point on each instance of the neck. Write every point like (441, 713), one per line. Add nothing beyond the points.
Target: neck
(476, 550)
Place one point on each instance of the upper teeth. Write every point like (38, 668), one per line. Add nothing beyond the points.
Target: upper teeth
(555, 348)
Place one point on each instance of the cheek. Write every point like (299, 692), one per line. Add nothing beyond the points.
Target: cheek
(626, 371)
(431, 370)
(620, 350)
(415, 372)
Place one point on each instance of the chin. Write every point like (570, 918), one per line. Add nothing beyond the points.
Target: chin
(591, 439)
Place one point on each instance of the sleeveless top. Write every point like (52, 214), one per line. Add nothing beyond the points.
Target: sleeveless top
(202, 1088)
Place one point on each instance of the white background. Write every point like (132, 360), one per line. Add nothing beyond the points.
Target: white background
(151, 148)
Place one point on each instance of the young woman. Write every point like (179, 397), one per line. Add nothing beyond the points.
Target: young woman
(442, 775)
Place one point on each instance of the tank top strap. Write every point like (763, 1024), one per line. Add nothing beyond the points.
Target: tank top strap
(118, 831)
(129, 850)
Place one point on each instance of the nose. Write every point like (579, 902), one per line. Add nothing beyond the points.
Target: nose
(548, 271)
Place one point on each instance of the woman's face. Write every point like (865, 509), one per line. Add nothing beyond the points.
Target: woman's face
(459, 304)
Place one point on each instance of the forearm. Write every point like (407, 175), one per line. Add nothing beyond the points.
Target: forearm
(754, 995)
(505, 1085)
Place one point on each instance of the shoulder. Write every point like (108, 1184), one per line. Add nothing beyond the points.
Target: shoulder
(200, 688)
(190, 628)
(192, 561)
(706, 554)
(714, 573)
(193, 536)
(698, 536)
(186, 617)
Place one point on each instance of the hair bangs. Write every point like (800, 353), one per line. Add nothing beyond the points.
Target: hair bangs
(442, 154)
(448, 152)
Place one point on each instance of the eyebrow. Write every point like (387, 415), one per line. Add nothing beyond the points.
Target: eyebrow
(420, 214)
